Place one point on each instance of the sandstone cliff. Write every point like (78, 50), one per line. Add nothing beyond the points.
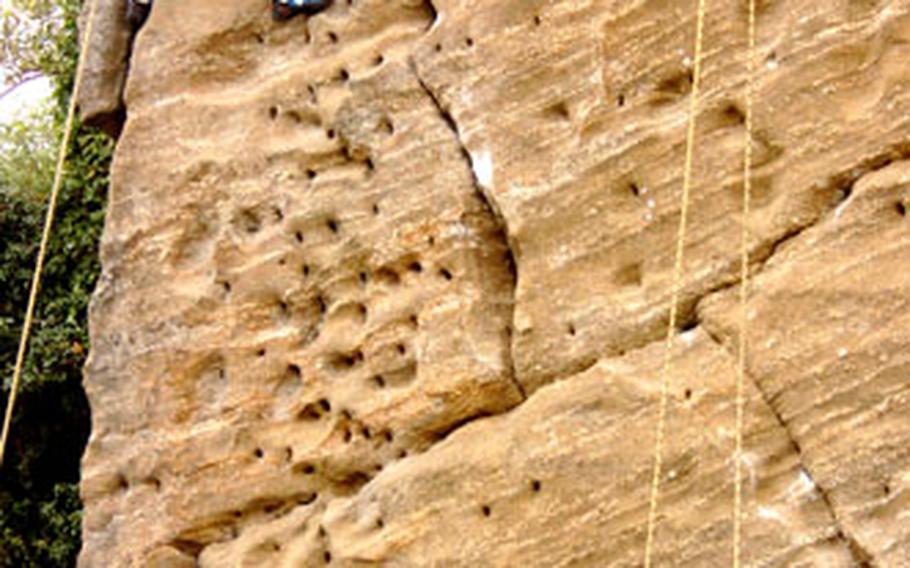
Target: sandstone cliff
(387, 286)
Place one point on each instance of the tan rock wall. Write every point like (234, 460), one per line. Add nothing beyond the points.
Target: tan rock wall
(387, 286)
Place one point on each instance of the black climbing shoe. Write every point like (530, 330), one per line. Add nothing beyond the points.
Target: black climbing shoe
(286, 9)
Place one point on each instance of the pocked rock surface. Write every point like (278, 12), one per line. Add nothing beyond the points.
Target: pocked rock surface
(388, 286)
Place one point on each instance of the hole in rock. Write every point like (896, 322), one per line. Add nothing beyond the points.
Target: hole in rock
(388, 276)
(415, 267)
(537, 20)
(250, 221)
(258, 453)
(732, 115)
(333, 37)
(900, 208)
(444, 272)
(346, 361)
(379, 381)
(273, 112)
(535, 485)
(486, 511)
(560, 110)
(344, 75)
(309, 413)
(629, 275)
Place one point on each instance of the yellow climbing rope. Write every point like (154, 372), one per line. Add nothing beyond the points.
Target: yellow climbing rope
(45, 236)
(677, 276)
(744, 289)
(743, 295)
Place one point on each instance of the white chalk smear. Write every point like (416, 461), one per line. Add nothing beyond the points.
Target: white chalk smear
(482, 163)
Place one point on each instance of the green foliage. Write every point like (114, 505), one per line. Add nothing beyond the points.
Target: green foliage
(40, 509)
(31, 32)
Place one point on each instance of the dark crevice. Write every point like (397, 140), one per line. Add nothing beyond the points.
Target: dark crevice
(432, 11)
(495, 213)
(844, 182)
(190, 548)
(442, 435)
(860, 555)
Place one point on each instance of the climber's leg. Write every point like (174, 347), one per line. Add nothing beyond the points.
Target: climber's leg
(287, 9)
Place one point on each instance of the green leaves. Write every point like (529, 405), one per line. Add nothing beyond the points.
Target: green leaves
(39, 505)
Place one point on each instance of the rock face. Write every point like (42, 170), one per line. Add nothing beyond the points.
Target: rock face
(388, 286)
(100, 97)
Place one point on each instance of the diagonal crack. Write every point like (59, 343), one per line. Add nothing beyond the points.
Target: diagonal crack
(494, 211)
(860, 555)
(846, 182)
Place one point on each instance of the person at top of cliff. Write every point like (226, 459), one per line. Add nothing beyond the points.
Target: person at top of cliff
(137, 11)
(287, 9)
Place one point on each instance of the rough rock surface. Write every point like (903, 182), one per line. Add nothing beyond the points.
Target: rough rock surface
(100, 96)
(387, 285)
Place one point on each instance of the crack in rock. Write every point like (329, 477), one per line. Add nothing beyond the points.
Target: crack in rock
(494, 211)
